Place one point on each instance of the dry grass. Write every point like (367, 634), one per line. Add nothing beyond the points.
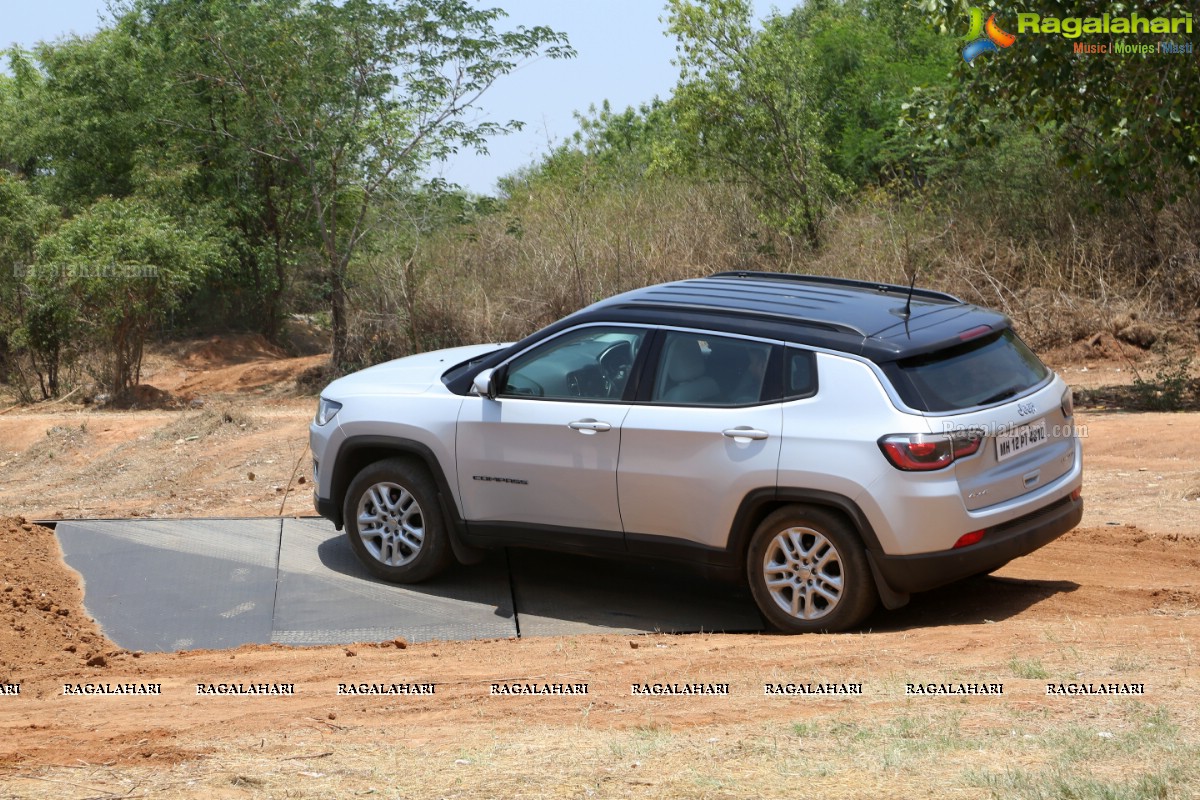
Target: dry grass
(547, 254)
(1062, 276)
(1087, 276)
(1125, 749)
(508, 274)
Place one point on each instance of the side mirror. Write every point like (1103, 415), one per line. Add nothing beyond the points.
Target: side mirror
(486, 384)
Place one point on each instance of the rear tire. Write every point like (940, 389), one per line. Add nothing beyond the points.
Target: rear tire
(808, 572)
(394, 521)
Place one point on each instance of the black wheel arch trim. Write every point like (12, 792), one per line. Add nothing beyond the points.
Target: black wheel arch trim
(752, 504)
(754, 507)
(390, 447)
(751, 511)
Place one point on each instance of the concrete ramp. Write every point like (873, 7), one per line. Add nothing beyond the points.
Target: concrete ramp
(162, 585)
(185, 584)
(326, 596)
(565, 595)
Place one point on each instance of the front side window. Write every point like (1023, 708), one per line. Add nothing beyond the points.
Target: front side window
(592, 363)
(702, 369)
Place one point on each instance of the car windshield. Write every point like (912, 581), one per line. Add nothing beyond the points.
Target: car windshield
(977, 373)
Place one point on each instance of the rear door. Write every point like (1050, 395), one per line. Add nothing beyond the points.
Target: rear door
(706, 434)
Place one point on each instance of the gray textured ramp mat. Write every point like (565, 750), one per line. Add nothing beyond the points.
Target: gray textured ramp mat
(219, 583)
(176, 584)
(327, 597)
(562, 595)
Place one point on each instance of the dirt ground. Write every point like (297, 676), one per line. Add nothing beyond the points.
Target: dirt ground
(1115, 602)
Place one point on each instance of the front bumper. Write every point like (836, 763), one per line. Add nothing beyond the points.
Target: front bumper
(328, 509)
(1000, 544)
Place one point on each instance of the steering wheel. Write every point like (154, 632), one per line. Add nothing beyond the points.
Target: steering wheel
(590, 382)
(614, 365)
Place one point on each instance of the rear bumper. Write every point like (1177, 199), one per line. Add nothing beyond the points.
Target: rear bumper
(1000, 544)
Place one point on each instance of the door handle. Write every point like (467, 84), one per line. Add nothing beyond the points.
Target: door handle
(589, 427)
(745, 432)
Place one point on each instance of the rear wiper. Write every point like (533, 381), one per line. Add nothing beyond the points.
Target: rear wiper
(1003, 394)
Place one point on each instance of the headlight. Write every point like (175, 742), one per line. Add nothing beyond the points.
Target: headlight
(327, 410)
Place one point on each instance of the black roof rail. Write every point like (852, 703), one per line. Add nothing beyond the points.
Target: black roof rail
(747, 313)
(853, 283)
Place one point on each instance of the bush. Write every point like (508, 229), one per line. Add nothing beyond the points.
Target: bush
(1172, 388)
(104, 280)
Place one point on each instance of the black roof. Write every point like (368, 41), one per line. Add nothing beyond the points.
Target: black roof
(877, 320)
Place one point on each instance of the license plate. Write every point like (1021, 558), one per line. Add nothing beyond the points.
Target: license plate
(1018, 440)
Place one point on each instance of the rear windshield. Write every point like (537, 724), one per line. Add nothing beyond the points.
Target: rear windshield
(988, 370)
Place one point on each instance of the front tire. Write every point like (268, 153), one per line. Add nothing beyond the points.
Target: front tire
(394, 521)
(808, 573)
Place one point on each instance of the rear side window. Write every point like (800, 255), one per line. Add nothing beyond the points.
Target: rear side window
(800, 374)
(978, 373)
(702, 369)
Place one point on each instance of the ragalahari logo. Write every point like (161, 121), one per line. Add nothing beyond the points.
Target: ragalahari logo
(984, 37)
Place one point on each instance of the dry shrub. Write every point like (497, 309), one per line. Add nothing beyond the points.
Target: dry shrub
(393, 313)
(561, 248)
(1080, 277)
(224, 418)
(547, 254)
(1097, 270)
(1063, 274)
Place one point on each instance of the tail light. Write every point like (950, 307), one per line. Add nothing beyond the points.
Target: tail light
(922, 452)
(1068, 403)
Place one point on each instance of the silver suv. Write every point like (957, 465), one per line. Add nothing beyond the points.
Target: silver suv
(833, 443)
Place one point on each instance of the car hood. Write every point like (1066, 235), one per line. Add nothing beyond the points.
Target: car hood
(408, 375)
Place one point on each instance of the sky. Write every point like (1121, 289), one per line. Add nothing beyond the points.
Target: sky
(623, 56)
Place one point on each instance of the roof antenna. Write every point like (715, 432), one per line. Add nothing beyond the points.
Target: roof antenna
(908, 302)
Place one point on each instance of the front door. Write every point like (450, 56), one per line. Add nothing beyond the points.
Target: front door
(544, 452)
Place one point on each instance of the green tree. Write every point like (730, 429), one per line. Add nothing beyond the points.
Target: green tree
(617, 147)
(83, 117)
(745, 102)
(207, 168)
(349, 100)
(109, 276)
(24, 218)
(868, 56)
(19, 113)
(1125, 123)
